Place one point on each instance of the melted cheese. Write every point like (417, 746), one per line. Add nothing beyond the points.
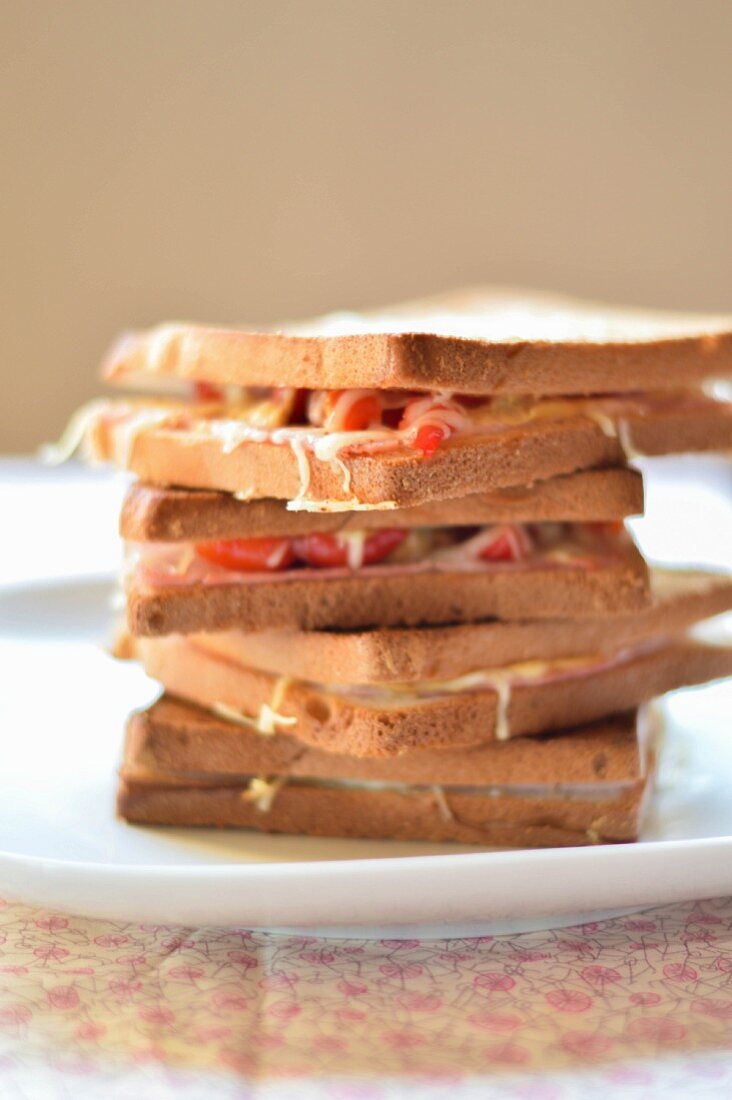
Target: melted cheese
(324, 445)
(355, 542)
(232, 433)
(73, 435)
(261, 422)
(346, 474)
(608, 425)
(625, 440)
(716, 631)
(501, 684)
(268, 717)
(442, 804)
(327, 445)
(141, 421)
(232, 715)
(719, 389)
(500, 680)
(303, 467)
(186, 558)
(275, 557)
(353, 505)
(262, 792)
(278, 695)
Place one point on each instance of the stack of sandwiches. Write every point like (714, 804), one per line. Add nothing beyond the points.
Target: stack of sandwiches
(380, 568)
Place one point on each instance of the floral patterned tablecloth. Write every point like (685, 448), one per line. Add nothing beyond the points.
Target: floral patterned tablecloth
(638, 1006)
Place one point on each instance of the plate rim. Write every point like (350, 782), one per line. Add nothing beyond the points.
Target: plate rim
(389, 864)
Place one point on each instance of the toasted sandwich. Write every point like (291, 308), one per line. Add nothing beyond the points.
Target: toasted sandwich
(487, 703)
(485, 391)
(385, 577)
(379, 565)
(184, 766)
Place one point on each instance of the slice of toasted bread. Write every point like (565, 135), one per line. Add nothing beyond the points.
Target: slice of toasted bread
(679, 432)
(178, 738)
(147, 439)
(154, 514)
(481, 340)
(679, 599)
(385, 595)
(494, 704)
(313, 809)
(539, 449)
(291, 795)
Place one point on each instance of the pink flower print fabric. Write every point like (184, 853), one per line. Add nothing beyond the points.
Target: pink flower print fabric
(631, 1005)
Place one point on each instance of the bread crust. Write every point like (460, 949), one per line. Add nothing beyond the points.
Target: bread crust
(178, 738)
(692, 432)
(529, 343)
(387, 726)
(679, 598)
(151, 513)
(381, 596)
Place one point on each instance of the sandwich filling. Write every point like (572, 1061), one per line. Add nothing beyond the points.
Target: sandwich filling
(500, 814)
(262, 791)
(291, 701)
(331, 425)
(441, 549)
(526, 795)
(374, 421)
(501, 681)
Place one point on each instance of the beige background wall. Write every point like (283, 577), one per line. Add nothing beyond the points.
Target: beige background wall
(254, 159)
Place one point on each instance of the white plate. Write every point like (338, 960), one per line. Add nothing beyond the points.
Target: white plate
(62, 710)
